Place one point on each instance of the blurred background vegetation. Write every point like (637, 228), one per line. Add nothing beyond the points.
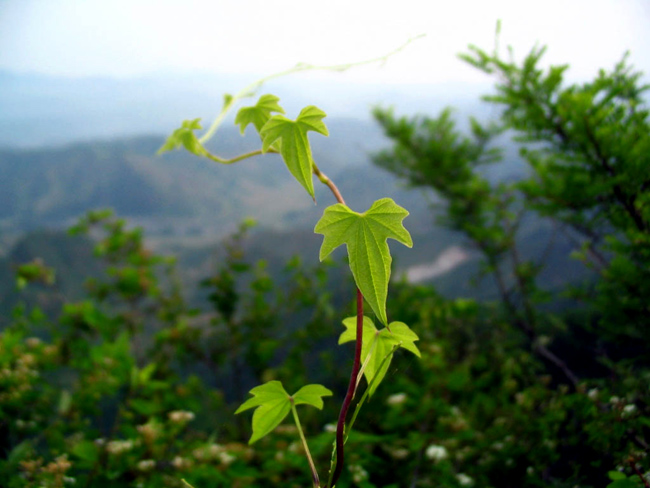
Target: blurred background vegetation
(128, 341)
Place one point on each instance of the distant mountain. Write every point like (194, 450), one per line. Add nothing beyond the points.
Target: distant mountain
(48, 178)
(176, 193)
(41, 111)
(187, 204)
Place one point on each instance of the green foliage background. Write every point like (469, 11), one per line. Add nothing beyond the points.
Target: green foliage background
(131, 386)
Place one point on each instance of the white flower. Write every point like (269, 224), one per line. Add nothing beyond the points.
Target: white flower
(399, 453)
(396, 399)
(226, 459)
(520, 398)
(629, 409)
(148, 431)
(548, 443)
(216, 449)
(437, 453)
(181, 463)
(464, 480)
(614, 400)
(118, 447)
(593, 393)
(180, 416)
(146, 464)
(33, 342)
(331, 428)
(359, 475)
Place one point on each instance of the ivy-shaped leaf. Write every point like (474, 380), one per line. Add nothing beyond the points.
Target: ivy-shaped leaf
(311, 395)
(386, 339)
(184, 136)
(294, 148)
(365, 236)
(274, 404)
(258, 114)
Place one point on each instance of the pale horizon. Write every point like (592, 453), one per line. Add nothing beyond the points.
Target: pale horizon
(134, 39)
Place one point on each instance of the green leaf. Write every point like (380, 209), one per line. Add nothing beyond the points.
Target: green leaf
(273, 404)
(295, 149)
(86, 450)
(620, 480)
(311, 395)
(145, 407)
(145, 373)
(384, 340)
(184, 136)
(65, 402)
(631, 482)
(34, 271)
(616, 475)
(20, 452)
(259, 114)
(365, 236)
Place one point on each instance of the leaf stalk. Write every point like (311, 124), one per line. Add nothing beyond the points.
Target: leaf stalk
(312, 466)
(330, 184)
(217, 159)
(367, 392)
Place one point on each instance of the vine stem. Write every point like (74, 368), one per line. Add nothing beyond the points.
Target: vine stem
(312, 466)
(330, 184)
(251, 89)
(354, 376)
(219, 160)
(352, 387)
(366, 361)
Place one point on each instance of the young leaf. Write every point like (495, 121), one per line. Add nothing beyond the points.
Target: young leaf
(365, 236)
(259, 114)
(399, 333)
(295, 149)
(273, 404)
(311, 395)
(184, 136)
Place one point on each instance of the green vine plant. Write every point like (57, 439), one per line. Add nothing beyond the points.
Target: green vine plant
(365, 236)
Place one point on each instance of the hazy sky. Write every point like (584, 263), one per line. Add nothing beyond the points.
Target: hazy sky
(127, 38)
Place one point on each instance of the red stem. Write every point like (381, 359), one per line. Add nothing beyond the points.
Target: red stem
(350, 394)
(340, 426)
